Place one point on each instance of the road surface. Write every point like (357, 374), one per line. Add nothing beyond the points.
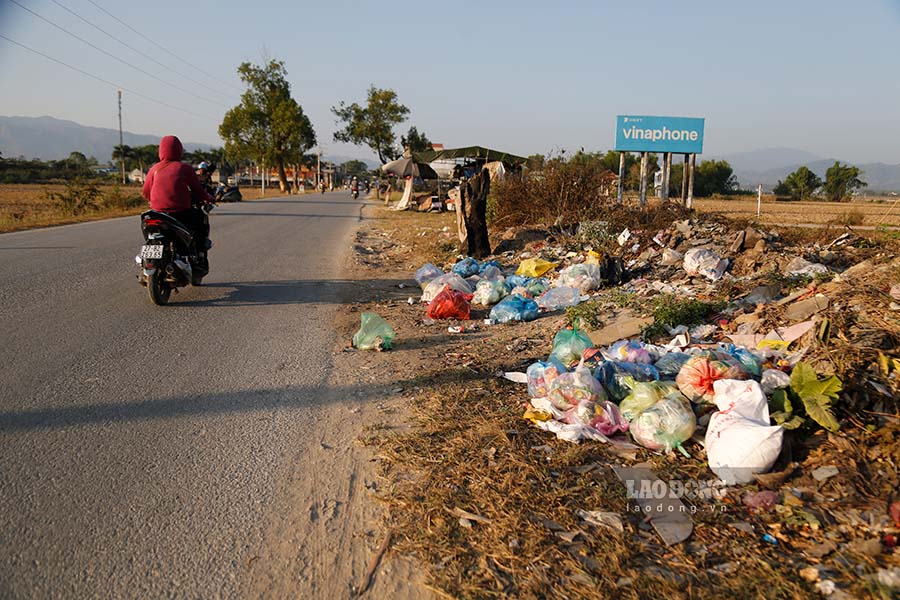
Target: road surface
(148, 451)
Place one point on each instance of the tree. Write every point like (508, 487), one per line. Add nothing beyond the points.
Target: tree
(415, 141)
(372, 125)
(799, 185)
(122, 153)
(714, 177)
(841, 180)
(268, 126)
(633, 172)
(355, 168)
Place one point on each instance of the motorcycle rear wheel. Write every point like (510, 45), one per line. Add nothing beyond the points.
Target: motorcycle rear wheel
(158, 289)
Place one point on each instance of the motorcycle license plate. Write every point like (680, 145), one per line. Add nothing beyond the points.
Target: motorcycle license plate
(152, 251)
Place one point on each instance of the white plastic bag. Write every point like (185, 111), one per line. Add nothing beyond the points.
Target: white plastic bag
(700, 261)
(739, 441)
(584, 276)
(434, 287)
(773, 379)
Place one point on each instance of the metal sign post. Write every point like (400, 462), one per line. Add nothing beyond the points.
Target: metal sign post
(643, 198)
(621, 190)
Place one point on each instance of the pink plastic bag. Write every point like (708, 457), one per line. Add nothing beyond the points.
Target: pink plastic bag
(697, 375)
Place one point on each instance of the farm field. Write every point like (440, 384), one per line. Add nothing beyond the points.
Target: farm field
(863, 212)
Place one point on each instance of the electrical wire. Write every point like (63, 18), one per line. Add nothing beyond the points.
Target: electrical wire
(132, 48)
(163, 48)
(124, 62)
(106, 81)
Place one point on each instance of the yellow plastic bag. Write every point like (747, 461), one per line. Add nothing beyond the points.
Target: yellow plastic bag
(534, 267)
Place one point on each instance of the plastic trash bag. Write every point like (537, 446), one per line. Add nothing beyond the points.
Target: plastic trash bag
(670, 364)
(608, 419)
(434, 287)
(491, 273)
(466, 267)
(541, 375)
(585, 277)
(701, 261)
(665, 425)
(487, 265)
(519, 280)
(521, 291)
(426, 273)
(645, 394)
(697, 375)
(537, 286)
(751, 363)
(450, 304)
(534, 267)
(559, 297)
(514, 308)
(773, 379)
(739, 440)
(629, 351)
(489, 291)
(568, 389)
(569, 345)
(374, 333)
(612, 374)
(671, 257)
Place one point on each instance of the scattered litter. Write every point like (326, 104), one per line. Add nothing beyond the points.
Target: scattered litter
(700, 261)
(608, 520)
(535, 267)
(374, 333)
(559, 297)
(436, 285)
(584, 276)
(450, 304)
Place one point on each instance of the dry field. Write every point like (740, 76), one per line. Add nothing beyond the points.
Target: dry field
(872, 212)
(26, 206)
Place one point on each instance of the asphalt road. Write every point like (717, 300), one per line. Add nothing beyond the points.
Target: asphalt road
(141, 447)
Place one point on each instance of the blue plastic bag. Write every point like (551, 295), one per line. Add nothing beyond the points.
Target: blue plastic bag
(612, 374)
(514, 308)
(466, 267)
(669, 364)
(518, 280)
(751, 363)
(488, 263)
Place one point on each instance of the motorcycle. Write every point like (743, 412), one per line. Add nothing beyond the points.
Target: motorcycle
(169, 258)
(228, 193)
(355, 193)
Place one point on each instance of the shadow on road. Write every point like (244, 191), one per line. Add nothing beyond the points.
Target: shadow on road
(220, 403)
(307, 215)
(321, 291)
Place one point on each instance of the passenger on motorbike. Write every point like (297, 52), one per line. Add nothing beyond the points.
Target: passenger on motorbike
(173, 187)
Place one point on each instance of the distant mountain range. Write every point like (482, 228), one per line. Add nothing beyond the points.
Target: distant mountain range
(770, 165)
(48, 138)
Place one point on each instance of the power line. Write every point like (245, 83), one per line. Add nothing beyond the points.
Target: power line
(130, 47)
(124, 62)
(163, 48)
(106, 81)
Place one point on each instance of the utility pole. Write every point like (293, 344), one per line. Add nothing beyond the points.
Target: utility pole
(121, 144)
(319, 168)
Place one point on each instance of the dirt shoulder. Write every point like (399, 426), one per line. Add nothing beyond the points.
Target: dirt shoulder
(486, 505)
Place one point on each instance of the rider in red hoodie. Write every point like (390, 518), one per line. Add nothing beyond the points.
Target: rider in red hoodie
(173, 187)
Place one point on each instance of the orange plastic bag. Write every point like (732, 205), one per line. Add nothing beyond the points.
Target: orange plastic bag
(450, 304)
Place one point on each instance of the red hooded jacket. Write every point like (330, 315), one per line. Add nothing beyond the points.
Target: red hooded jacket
(170, 182)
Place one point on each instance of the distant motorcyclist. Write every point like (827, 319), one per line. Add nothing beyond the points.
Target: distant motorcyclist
(173, 187)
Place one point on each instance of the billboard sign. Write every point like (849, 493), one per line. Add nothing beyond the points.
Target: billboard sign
(681, 135)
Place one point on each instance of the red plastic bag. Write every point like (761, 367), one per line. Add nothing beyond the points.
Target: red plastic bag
(450, 304)
(697, 375)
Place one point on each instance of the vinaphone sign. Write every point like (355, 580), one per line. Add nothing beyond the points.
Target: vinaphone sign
(681, 135)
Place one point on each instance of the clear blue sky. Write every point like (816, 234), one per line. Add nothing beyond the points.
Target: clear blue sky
(521, 76)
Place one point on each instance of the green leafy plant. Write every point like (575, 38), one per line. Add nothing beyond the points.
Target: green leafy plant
(585, 316)
(808, 395)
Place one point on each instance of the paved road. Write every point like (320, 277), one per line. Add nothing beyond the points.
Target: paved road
(141, 447)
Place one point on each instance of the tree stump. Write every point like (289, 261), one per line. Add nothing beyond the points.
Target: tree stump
(473, 204)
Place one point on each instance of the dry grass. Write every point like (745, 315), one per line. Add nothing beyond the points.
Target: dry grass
(871, 213)
(26, 206)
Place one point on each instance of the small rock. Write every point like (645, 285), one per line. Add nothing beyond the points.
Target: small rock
(737, 244)
(823, 473)
(811, 574)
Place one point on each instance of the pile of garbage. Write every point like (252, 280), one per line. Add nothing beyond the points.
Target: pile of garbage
(662, 395)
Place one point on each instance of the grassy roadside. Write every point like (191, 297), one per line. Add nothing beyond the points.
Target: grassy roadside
(31, 206)
(468, 449)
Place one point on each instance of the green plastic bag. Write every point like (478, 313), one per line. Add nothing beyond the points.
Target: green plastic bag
(374, 333)
(569, 345)
(643, 395)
